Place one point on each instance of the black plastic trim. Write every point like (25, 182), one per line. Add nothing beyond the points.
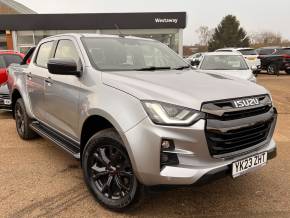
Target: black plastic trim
(64, 142)
(226, 171)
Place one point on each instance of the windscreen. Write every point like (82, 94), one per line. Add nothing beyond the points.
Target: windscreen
(122, 54)
(224, 62)
(248, 52)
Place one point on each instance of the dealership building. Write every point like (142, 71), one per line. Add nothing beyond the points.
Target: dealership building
(22, 28)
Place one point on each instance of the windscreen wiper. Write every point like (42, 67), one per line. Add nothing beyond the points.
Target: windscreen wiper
(182, 67)
(152, 68)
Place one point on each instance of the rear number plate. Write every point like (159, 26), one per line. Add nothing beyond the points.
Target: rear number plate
(248, 164)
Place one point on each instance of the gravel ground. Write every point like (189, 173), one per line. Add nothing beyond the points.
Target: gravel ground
(37, 179)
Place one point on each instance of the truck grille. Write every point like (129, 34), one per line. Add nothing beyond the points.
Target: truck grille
(4, 96)
(245, 113)
(230, 131)
(234, 140)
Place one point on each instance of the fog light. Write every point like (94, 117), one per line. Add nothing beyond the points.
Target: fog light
(167, 155)
(167, 144)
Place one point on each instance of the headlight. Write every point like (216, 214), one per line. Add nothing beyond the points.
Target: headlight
(167, 114)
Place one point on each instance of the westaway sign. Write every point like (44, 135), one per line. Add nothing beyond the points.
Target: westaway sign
(91, 21)
(166, 20)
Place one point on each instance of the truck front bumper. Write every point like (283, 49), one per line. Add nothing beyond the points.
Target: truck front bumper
(196, 164)
(5, 103)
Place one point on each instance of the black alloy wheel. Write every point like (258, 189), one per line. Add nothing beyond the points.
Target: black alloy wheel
(23, 121)
(108, 172)
(111, 172)
(19, 118)
(273, 69)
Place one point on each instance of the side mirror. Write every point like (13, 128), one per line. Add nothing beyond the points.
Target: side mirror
(195, 62)
(254, 68)
(63, 66)
(3, 76)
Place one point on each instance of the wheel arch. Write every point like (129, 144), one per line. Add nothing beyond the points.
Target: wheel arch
(106, 122)
(14, 97)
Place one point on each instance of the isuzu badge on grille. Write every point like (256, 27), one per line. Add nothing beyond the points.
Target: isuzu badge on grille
(246, 102)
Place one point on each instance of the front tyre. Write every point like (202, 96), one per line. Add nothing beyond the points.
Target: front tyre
(273, 69)
(23, 121)
(108, 172)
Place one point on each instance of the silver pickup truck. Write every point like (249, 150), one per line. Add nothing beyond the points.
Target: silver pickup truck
(136, 114)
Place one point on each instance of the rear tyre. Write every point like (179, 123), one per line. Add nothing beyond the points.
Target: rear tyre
(108, 172)
(288, 71)
(23, 121)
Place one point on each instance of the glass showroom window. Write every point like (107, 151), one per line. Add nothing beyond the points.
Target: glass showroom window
(25, 40)
(170, 37)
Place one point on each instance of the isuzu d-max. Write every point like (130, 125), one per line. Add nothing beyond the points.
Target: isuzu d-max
(136, 114)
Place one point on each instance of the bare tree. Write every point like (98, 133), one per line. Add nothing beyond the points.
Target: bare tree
(266, 38)
(204, 35)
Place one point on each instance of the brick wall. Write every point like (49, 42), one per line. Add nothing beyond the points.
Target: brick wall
(6, 10)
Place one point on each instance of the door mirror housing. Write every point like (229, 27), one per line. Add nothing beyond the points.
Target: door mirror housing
(195, 62)
(254, 68)
(63, 66)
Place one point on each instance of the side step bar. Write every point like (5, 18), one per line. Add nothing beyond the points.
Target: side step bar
(67, 144)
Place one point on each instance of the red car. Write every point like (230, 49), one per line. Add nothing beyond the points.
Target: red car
(7, 58)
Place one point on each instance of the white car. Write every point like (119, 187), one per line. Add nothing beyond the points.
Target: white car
(250, 55)
(226, 63)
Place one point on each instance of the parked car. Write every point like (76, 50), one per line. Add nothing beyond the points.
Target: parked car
(136, 114)
(275, 59)
(250, 55)
(226, 63)
(6, 58)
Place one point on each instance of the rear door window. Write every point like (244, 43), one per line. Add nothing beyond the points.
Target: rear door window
(12, 59)
(44, 53)
(285, 51)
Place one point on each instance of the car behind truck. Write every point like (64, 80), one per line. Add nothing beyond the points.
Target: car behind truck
(274, 60)
(135, 114)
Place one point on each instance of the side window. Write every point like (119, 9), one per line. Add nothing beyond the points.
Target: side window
(44, 54)
(66, 49)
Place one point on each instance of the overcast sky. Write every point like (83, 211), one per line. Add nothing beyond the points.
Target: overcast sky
(254, 15)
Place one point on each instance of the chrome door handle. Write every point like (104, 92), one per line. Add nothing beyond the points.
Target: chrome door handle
(29, 77)
(48, 82)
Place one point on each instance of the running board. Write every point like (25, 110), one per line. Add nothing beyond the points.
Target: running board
(66, 144)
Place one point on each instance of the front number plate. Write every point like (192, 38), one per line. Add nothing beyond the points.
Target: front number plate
(248, 164)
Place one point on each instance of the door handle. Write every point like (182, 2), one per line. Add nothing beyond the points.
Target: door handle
(29, 77)
(48, 82)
